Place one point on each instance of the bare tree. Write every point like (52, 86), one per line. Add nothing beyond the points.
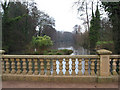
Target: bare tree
(82, 7)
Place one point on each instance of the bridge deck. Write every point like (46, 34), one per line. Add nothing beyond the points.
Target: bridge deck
(26, 84)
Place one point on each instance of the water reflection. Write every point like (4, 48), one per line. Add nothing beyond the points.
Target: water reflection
(77, 50)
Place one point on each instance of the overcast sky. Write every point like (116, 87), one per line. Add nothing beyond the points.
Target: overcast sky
(62, 11)
(66, 16)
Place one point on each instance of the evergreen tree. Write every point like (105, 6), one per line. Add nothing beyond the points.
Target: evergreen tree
(92, 36)
(94, 28)
(97, 24)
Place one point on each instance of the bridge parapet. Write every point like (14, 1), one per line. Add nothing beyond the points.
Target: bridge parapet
(102, 65)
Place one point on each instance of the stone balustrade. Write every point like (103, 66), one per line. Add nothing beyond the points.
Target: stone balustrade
(38, 64)
(103, 64)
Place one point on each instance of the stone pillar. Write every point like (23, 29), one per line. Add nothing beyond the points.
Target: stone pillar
(2, 61)
(104, 62)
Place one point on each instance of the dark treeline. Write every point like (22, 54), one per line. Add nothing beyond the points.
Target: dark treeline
(58, 36)
(19, 21)
(16, 31)
(113, 9)
(65, 37)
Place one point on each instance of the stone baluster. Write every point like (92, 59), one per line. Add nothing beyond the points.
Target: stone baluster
(24, 66)
(42, 67)
(73, 66)
(92, 67)
(18, 66)
(48, 66)
(80, 67)
(86, 66)
(7, 66)
(54, 67)
(30, 72)
(67, 66)
(98, 67)
(60, 66)
(3, 68)
(13, 66)
(114, 67)
(36, 66)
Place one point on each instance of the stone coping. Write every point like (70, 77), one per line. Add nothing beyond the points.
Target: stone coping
(115, 56)
(104, 52)
(50, 78)
(2, 51)
(56, 56)
(51, 56)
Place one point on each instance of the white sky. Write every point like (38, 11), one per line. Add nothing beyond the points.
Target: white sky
(66, 17)
(62, 11)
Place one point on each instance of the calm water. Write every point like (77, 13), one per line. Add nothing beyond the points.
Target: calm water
(77, 50)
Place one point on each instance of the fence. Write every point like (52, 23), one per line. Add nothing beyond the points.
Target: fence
(101, 67)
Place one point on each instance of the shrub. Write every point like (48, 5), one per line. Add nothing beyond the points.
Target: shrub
(58, 52)
(40, 42)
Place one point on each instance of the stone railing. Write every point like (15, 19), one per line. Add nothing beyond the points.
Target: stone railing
(46, 64)
(103, 64)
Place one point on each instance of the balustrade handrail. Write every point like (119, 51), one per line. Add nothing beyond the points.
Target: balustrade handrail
(114, 56)
(51, 56)
(56, 56)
